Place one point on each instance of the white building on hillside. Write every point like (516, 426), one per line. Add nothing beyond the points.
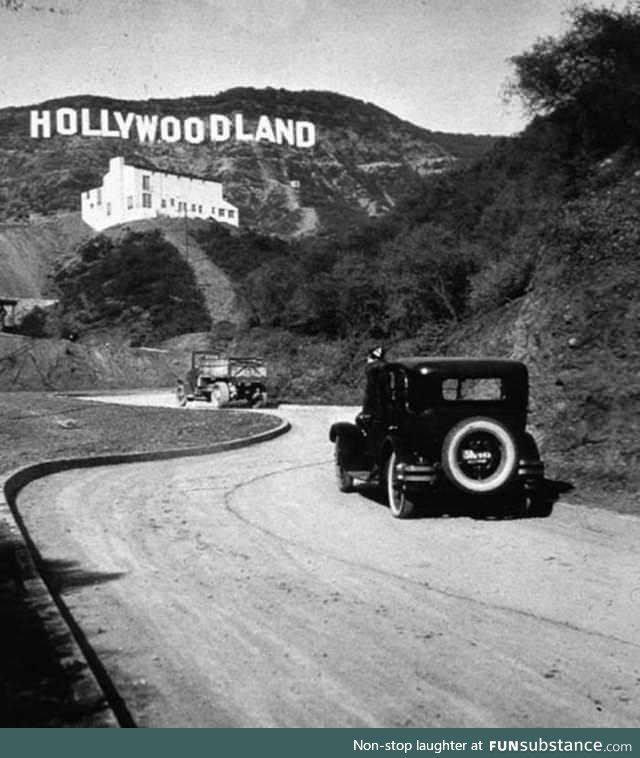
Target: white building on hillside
(129, 193)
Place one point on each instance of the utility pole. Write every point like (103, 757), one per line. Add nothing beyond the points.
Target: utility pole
(186, 235)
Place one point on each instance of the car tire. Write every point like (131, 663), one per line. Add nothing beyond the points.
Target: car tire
(401, 504)
(482, 436)
(344, 479)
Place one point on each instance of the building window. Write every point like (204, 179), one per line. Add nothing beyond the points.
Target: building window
(231, 213)
(213, 211)
(163, 203)
(108, 209)
(146, 200)
(98, 197)
(193, 207)
(146, 182)
(199, 209)
(129, 201)
(221, 212)
(172, 202)
(88, 194)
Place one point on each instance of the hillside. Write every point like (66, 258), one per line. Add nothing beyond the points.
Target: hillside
(530, 251)
(362, 162)
(29, 252)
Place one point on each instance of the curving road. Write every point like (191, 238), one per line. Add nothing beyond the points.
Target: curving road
(242, 590)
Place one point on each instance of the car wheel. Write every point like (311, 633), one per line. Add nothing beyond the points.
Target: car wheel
(401, 504)
(181, 395)
(344, 479)
(479, 456)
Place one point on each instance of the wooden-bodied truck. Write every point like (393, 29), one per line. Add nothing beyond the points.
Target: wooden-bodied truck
(220, 380)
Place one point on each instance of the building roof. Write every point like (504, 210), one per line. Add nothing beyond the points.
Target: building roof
(155, 170)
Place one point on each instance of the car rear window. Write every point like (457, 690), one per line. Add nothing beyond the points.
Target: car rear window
(472, 389)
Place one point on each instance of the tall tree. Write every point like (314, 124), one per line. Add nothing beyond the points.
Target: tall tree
(591, 73)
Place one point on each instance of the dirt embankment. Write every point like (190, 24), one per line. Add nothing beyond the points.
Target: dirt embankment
(46, 364)
(29, 251)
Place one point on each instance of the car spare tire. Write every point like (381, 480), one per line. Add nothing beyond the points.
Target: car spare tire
(479, 455)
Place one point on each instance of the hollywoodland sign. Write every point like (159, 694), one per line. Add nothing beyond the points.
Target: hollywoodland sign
(155, 128)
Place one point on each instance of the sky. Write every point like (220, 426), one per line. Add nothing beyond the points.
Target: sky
(440, 64)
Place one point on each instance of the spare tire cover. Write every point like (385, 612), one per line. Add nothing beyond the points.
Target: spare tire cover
(479, 455)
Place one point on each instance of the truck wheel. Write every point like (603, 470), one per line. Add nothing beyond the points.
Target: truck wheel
(181, 395)
(479, 455)
(259, 400)
(401, 503)
(220, 394)
(344, 479)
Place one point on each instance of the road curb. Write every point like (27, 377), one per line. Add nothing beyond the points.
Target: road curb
(93, 686)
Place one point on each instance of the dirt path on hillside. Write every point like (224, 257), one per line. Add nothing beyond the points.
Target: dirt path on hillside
(242, 590)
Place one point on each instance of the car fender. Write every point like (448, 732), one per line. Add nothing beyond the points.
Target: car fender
(351, 450)
(347, 431)
(528, 448)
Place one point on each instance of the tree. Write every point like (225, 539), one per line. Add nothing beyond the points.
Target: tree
(593, 72)
(425, 274)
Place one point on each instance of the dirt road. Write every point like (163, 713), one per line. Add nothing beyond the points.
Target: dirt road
(242, 590)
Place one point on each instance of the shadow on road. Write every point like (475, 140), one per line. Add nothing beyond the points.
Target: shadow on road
(37, 659)
(491, 509)
(63, 576)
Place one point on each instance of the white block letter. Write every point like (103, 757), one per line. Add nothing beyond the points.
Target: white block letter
(104, 124)
(85, 120)
(146, 126)
(305, 134)
(66, 121)
(194, 130)
(219, 128)
(43, 121)
(170, 129)
(241, 135)
(265, 130)
(124, 124)
(285, 131)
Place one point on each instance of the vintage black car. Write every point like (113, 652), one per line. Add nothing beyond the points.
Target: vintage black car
(435, 427)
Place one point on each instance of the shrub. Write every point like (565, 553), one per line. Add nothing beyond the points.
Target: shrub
(501, 281)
